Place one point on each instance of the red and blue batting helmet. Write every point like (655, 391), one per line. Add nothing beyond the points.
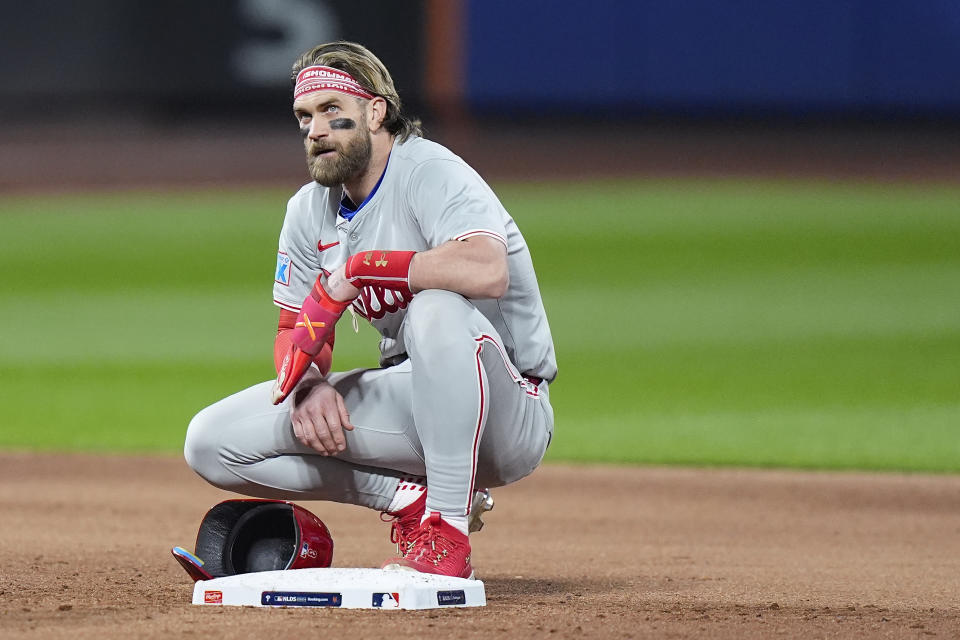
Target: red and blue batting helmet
(245, 536)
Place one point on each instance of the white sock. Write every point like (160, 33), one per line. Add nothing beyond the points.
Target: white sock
(409, 489)
(460, 522)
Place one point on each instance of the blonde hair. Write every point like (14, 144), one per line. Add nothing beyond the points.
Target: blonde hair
(372, 75)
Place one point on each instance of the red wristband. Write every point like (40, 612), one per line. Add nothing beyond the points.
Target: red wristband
(387, 269)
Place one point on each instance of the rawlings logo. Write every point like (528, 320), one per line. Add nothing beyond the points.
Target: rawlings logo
(376, 302)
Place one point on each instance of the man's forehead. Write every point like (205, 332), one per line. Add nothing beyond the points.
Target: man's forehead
(316, 98)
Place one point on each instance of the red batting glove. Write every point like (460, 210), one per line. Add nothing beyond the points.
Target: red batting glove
(387, 269)
(317, 318)
(294, 365)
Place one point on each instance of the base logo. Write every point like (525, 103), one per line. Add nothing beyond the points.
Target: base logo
(300, 599)
(448, 598)
(386, 600)
(213, 597)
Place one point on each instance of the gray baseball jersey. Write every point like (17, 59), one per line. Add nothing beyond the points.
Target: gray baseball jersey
(427, 196)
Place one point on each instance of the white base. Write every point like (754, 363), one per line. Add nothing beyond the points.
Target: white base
(344, 588)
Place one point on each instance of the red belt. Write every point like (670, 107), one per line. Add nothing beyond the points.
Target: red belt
(534, 379)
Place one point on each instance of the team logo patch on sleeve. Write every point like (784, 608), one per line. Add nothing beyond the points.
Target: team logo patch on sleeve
(284, 267)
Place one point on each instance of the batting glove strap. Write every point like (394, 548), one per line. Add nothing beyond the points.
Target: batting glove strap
(387, 269)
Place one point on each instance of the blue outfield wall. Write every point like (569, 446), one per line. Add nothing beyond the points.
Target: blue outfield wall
(892, 57)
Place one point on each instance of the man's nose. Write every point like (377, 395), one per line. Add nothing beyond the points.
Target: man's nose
(318, 129)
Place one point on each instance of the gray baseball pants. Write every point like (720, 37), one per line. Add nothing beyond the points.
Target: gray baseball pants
(457, 412)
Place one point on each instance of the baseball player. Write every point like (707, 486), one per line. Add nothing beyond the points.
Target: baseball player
(404, 233)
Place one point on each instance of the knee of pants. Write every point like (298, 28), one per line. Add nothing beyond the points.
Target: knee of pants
(436, 320)
(202, 449)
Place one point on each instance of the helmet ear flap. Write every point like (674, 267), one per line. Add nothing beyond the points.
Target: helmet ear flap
(246, 536)
(314, 544)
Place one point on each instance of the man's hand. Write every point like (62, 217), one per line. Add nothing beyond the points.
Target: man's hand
(339, 287)
(319, 416)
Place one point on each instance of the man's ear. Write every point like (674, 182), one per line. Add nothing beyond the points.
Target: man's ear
(376, 113)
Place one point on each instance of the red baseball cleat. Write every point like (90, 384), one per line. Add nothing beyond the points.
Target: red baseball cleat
(405, 522)
(436, 547)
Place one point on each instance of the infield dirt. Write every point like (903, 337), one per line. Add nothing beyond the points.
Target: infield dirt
(570, 552)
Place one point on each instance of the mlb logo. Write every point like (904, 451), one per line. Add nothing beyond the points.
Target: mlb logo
(284, 267)
(386, 600)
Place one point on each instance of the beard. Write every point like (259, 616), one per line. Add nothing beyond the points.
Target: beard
(348, 161)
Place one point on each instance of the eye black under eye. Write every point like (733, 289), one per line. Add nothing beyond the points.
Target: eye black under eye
(342, 123)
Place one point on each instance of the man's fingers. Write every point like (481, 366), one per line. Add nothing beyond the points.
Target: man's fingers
(336, 430)
(322, 431)
(344, 414)
(319, 419)
(303, 433)
(310, 436)
(307, 432)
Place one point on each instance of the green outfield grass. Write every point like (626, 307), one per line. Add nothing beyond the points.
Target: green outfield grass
(797, 324)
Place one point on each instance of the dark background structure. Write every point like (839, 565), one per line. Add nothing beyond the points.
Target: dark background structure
(108, 93)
